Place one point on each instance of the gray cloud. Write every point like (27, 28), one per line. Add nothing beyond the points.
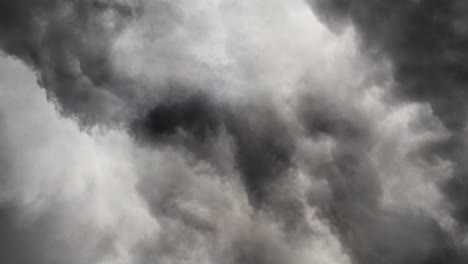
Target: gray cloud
(235, 132)
(423, 40)
(68, 44)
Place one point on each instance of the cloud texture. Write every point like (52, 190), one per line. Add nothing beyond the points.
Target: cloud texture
(222, 131)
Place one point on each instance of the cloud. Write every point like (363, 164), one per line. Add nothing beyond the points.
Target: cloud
(423, 41)
(229, 132)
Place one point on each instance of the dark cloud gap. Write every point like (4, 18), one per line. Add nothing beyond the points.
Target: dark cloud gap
(191, 114)
(263, 149)
(260, 143)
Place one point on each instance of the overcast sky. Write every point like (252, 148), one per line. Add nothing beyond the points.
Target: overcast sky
(233, 132)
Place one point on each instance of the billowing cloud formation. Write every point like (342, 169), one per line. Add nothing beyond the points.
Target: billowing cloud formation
(424, 42)
(68, 44)
(224, 131)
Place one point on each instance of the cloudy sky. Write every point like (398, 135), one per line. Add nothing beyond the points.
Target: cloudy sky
(233, 132)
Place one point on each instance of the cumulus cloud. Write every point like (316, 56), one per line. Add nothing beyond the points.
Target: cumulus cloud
(221, 131)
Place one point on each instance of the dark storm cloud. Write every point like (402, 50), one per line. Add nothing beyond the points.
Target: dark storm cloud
(5, 158)
(193, 114)
(426, 43)
(456, 188)
(262, 147)
(39, 239)
(260, 139)
(374, 234)
(68, 44)
(371, 233)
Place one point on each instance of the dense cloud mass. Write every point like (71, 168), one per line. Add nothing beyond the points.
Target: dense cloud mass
(227, 131)
(425, 42)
